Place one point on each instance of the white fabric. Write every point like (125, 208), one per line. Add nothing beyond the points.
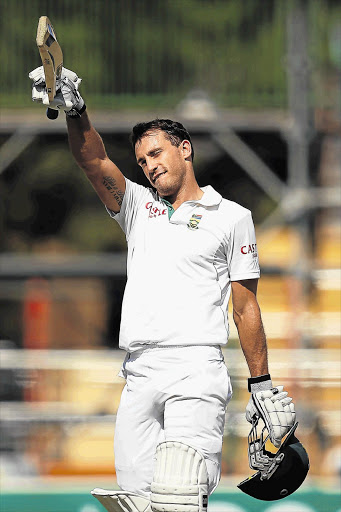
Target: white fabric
(170, 393)
(179, 276)
(277, 411)
(251, 410)
(67, 96)
(118, 501)
(180, 482)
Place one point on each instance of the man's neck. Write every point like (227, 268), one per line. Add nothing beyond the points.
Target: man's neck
(186, 195)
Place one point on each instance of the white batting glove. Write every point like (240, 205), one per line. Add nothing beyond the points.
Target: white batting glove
(67, 97)
(261, 383)
(277, 411)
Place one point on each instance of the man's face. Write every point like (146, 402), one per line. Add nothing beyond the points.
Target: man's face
(163, 164)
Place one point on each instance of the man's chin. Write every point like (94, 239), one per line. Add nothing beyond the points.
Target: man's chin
(164, 191)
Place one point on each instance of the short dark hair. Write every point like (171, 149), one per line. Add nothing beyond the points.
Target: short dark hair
(174, 131)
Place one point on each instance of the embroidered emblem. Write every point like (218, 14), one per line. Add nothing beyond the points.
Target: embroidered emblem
(194, 221)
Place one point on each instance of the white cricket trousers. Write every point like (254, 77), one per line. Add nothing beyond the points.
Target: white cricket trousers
(171, 393)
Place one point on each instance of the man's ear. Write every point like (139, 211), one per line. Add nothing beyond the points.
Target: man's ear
(186, 148)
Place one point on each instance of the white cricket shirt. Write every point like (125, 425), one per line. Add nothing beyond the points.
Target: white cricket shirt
(180, 267)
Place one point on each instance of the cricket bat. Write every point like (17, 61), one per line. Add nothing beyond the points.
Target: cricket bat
(52, 58)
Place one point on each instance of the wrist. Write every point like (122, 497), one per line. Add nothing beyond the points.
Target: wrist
(259, 383)
(76, 111)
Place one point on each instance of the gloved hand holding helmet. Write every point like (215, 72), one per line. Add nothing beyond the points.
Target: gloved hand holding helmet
(281, 473)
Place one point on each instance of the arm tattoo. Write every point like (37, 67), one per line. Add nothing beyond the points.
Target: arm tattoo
(110, 184)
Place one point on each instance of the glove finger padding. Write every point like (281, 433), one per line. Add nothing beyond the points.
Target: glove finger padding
(71, 75)
(37, 75)
(277, 411)
(279, 396)
(291, 413)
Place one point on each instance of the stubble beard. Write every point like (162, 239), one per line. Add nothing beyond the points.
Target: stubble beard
(169, 187)
(170, 183)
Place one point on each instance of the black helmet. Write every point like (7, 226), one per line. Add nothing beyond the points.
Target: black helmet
(279, 474)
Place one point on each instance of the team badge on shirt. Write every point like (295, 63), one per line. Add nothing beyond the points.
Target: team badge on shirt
(194, 221)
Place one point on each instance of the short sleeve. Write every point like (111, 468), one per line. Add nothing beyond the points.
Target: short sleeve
(134, 196)
(244, 262)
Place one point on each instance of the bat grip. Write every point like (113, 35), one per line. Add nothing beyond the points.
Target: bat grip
(51, 113)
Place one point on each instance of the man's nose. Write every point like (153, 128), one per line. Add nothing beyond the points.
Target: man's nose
(151, 165)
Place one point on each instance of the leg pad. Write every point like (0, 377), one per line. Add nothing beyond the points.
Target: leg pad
(180, 482)
(121, 501)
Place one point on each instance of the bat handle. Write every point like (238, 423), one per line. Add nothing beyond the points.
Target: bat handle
(51, 113)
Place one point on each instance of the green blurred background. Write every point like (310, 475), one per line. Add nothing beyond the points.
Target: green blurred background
(257, 83)
(138, 54)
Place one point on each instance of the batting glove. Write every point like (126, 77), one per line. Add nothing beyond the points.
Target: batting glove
(261, 383)
(277, 411)
(67, 97)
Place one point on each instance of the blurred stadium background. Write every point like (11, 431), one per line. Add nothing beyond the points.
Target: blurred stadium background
(258, 85)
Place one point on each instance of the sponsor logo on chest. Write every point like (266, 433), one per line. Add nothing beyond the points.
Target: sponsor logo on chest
(154, 211)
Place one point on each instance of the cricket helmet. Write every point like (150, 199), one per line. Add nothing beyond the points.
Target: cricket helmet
(278, 474)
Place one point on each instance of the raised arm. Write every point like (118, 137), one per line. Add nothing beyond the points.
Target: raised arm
(89, 152)
(86, 144)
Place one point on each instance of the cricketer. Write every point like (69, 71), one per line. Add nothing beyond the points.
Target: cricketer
(189, 250)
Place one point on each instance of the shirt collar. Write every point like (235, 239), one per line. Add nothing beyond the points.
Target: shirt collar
(210, 197)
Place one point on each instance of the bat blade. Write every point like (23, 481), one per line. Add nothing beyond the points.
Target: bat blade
(52, 58)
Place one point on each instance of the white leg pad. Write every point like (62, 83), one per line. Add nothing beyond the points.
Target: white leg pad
(180, 482)
(121, 501)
